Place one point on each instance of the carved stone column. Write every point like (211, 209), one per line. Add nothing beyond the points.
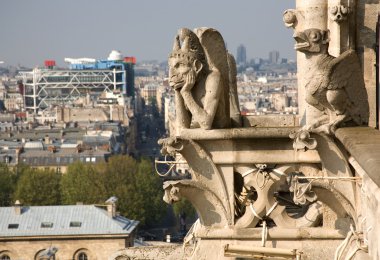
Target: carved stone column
(310, 14)
(340, 24)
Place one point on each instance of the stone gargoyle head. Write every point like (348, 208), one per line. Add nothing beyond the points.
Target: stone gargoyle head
(187, 55)
(312, 41)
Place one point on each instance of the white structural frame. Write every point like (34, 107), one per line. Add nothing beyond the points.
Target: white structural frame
(45, 87)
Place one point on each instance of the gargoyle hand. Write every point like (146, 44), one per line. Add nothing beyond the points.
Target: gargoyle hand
(190, 82)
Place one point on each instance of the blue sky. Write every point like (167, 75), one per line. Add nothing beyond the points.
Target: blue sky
(34, 30)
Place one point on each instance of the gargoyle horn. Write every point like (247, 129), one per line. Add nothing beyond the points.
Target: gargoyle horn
(186, 45)
(176, 45)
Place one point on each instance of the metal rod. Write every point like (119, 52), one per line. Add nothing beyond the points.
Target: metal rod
(259, 250)
(170, 162)
(328, 178)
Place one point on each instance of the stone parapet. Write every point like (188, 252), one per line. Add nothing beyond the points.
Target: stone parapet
(363, 143)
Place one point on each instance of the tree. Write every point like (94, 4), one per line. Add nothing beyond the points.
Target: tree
(151, 193)
(138, 189)
(82, 183)
(184, 206)
(38, 187)
(7, 185)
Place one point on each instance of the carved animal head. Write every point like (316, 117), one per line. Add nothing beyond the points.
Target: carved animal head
(184, 58)
(171, 194)
(312, 41)
(339, 13)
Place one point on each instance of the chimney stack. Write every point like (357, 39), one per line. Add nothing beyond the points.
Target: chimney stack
(18, 207)
(111, 206)
(111, 210)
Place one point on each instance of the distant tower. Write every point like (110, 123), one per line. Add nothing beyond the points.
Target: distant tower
(274, 57)
(241, 57)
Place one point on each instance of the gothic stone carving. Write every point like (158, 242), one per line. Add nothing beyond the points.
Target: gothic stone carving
(303, 141)
(200, 75)
(206, 190)
(332, 84)
(339, 13)
(290, 18)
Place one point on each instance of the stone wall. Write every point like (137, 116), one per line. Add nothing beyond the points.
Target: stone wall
(370, 204)
(96, 249)
(366, 19)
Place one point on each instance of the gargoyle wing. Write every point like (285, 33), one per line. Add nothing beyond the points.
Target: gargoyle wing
(214, 48)
(316, 81)
(216, 55)
(340, 69)
(346, 73)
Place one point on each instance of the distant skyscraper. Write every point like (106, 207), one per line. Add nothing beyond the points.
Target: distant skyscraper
(274, 56)
(241, 56)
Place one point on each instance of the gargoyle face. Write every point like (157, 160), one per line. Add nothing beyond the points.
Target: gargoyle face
(171, 195)
(339, 13)
(311, 40)
(178, 70)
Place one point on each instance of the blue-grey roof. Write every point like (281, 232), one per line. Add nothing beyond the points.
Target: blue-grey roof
(94, 221)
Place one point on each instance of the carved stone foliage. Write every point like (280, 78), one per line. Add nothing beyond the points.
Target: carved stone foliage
(267, 193)
(303, 141)
(203, 76)
(333, 85)
(292, 196)
(339, 13)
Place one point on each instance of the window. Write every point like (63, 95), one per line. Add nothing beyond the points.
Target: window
(46, 224)
(82, 256)
(93, 159)
(75, 224)
(12, 226)
(6, 257)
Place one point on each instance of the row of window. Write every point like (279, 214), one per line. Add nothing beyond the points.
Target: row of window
(62, 160)
(46, 225)
(81, 256)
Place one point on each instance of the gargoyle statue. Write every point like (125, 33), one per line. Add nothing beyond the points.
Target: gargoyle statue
(333, 85)
(200, 75)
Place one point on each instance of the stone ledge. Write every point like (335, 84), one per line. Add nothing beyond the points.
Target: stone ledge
(363, 143)
(274, 233)
(271, 121)
(237, 133)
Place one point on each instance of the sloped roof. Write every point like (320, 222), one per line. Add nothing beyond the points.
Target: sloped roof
(94, 221)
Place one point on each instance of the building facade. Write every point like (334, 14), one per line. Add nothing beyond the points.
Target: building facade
(44, 87)
(63, 232)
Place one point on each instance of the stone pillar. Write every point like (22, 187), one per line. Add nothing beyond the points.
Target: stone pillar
(310, 14)
(341, 26)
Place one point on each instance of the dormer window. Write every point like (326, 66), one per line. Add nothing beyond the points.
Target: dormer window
(75, 224)
(46, 224)
(13, 226)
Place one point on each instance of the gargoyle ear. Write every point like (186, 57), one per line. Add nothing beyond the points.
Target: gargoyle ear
(198, 66)
(325, 36)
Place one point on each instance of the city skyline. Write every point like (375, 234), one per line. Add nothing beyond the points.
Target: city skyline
(33, 31)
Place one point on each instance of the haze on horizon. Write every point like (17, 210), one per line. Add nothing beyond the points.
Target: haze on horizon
(33, 31)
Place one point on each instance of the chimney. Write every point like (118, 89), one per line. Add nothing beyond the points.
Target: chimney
(47, 140)
(18, 207)
(111, 210)
(111, 207)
